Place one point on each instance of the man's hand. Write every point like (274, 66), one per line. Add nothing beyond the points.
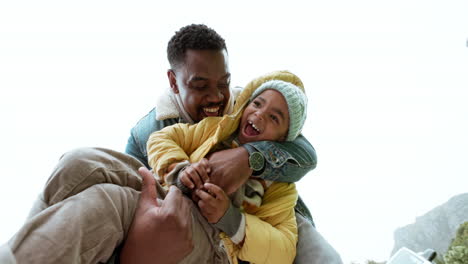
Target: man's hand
(213, 202)
(229, 168)
(159, 233)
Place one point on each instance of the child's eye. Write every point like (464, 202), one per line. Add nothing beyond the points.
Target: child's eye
(256, 103)
(274, 118)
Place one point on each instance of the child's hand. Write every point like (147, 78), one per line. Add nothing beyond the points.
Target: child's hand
(195, 175)
(213, 202)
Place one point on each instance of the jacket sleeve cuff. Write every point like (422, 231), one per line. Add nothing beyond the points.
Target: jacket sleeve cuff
(233, 224)
(172, 177)
(184, 189)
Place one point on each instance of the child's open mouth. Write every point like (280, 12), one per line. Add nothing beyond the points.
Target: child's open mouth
(251, 129)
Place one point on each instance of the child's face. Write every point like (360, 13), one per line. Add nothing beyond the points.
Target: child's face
(265, 118)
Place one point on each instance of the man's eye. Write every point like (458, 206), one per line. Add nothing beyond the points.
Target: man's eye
(256, 103)
(223, 85)
(200, 87)
(274, 118)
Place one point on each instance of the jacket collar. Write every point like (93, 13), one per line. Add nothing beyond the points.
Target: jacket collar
(165, 108)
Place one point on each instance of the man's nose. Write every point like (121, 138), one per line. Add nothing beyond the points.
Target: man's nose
(214, 95)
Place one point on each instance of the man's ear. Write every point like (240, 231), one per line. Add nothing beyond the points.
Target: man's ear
(172, 81)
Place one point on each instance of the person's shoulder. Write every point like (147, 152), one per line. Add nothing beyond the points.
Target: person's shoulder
(149, 124)
(145, 122)
(152, 119)
(149, 117)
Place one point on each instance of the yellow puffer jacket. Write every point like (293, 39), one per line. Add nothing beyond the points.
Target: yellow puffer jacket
(271, 231)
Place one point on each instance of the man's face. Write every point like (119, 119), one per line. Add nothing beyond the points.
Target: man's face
(202, 82)
(265, 118)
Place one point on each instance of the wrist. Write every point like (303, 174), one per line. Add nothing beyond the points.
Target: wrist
(230, 222)
(256, 160)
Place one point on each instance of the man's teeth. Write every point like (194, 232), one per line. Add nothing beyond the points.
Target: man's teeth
(211, 109)
(253, 125)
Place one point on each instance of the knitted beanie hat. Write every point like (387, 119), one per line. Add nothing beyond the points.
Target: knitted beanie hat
(296, 100)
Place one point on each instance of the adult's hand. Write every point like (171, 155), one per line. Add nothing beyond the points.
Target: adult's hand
(160, 232)
(229, 168)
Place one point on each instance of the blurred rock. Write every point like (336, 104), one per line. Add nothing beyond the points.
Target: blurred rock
(435, 229)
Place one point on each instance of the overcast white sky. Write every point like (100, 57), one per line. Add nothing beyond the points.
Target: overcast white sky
(386, 80)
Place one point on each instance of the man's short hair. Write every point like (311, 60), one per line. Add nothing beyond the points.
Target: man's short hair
(195, 37)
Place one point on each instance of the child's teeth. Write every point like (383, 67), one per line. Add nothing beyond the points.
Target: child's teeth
(253, 125)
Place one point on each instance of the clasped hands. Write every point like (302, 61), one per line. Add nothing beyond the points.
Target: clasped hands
(212, 201)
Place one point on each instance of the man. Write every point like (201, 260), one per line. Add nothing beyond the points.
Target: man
(199, 81)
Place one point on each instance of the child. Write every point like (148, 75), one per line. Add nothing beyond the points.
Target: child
(273, 108)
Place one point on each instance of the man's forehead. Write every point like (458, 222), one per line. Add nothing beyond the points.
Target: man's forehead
(206, 65)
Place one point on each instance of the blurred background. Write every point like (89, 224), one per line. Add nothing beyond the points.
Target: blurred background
(386, 80)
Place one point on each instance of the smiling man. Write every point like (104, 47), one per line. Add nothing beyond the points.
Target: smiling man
(202, 86)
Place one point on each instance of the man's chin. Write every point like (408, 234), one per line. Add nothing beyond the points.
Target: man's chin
(211, 114)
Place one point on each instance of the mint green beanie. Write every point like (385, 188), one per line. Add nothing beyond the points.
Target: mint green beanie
(296, 100)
